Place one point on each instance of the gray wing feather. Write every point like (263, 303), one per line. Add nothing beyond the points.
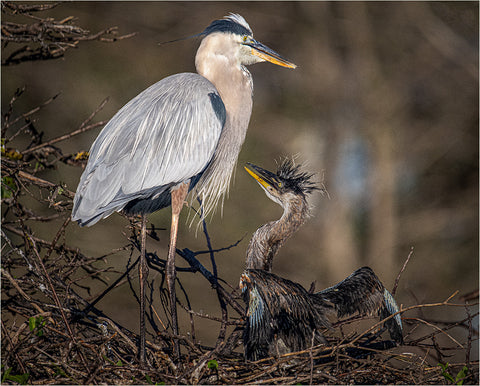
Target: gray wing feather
(362, 292)
(165, 135)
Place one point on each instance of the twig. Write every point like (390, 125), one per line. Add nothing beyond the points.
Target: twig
(206, 316)
(120, 332)
(55, 297)
(107, 290)
(83, 128)
(44, 184)
(394, 289)
(311, 356)
(189, 256)
(444, 303)
(470, 334)
(223, 306)
(12, 348)
(34, 110)
(439, 330)
(57, 236)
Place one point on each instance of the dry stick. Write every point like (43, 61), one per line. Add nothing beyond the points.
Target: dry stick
(33, 111)
(56, 299)
(401, 271)
(22, 8)
(106, 32)
(8, 114)
(32, 266)
(223, 305)
(448, 327)
(470, 333)
(19, 131)
(20, 362)
(444, 303)
(57, 236)
(43, 183)
(192, 319)
(206, 316)
(46, 243)
(83, 127)
(20, 291)
(158, 317)
(119, 332)
(438, 329)
(311, 357)
(113, 285)
(189, 256)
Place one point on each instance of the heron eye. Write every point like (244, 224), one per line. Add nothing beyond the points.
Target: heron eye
(245, 38)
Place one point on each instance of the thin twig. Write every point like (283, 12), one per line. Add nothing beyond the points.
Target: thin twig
(57, 301)
(12, 348)
(394, 289)
(83, 128)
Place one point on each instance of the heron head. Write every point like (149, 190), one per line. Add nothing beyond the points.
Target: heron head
(288, 182)
(232, 34)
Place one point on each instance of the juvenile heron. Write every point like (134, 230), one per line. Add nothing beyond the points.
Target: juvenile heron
(181, 133)
(281, 315)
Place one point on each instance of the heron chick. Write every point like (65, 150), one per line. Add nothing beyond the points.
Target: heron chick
(181, 133)
(281, 315)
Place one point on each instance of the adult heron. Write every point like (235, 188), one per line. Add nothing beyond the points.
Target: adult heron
(183, 132)
(281, 315)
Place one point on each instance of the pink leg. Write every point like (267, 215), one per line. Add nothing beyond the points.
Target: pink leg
(178, 197)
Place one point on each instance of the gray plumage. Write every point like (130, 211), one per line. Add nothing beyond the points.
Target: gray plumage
(149, 146)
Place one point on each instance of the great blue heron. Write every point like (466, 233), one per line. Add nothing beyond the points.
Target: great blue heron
(281, 315)
(183, 132)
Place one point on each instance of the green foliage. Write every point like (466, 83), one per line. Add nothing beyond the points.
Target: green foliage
(60, 371)
(35, 324)
(212, 364)
(21, 379)
(8, 187)
(460, 376)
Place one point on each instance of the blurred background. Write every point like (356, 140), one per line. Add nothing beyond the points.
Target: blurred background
(383, 108)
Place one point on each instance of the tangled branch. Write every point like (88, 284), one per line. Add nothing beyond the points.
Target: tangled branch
(44, 38)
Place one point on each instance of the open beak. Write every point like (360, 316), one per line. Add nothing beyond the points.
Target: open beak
(263, 177)
(266, 53)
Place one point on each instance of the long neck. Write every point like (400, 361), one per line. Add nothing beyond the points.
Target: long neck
(268, 239)
(234, 84)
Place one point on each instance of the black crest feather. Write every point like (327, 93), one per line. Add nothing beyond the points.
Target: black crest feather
(295, 179)
(233, 23)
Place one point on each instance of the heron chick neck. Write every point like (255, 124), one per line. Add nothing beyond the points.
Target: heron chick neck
(269, 238)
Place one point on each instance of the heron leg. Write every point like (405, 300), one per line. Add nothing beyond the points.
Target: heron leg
(178, 195)
(142, 276)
